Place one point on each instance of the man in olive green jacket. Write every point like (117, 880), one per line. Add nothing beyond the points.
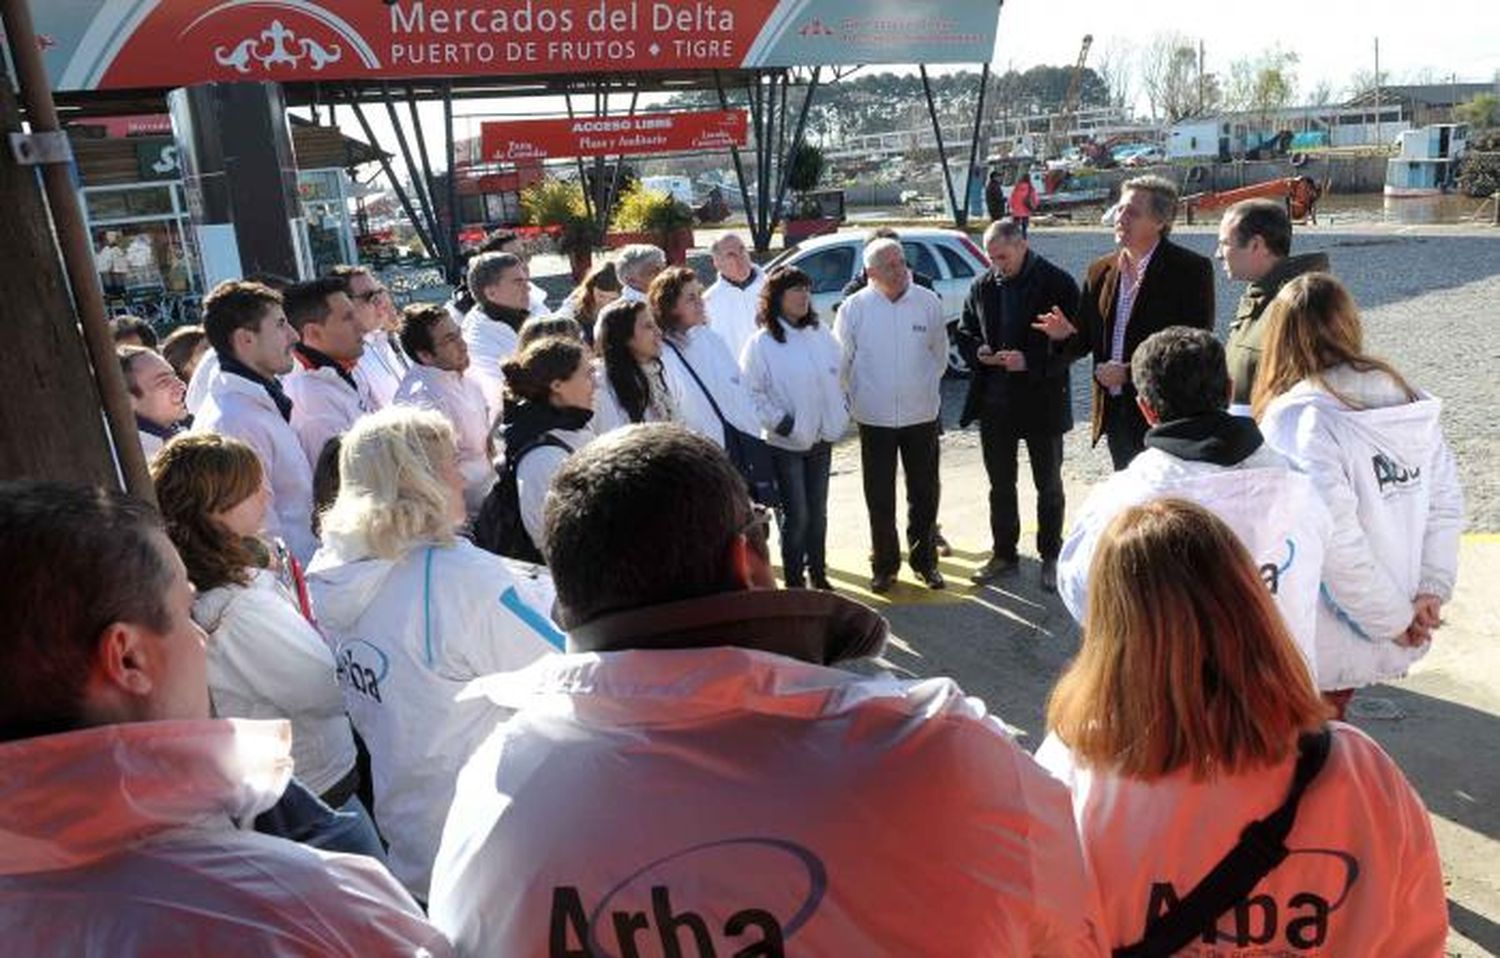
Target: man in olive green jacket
(1255, 238)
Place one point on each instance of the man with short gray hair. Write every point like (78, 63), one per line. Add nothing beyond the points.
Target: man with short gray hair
(637, 265)
(734, 298)
(895, 350)
(501, 286)
(1148, 284)
(1019, 391)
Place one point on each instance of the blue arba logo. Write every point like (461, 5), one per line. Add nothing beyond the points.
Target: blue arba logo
(362, 667)
(736, 898)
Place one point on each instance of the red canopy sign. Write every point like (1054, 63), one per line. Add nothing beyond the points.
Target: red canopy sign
(126, 44)
(513, 140)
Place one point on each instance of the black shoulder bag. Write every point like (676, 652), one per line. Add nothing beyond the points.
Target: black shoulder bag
(750, 454)
(1261, 848)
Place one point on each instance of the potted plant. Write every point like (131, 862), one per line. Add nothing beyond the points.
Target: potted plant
(653, 216)
(558, 207)
(806, 216)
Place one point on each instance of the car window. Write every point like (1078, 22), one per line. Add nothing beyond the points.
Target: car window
(830, 269)
(919, 258)
(957, 265)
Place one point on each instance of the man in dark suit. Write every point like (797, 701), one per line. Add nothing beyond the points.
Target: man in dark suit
(1018, 391)
(1150, 283)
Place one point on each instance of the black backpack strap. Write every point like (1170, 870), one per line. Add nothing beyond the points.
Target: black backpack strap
(1262, 846)
(694, 373)
(545, 439)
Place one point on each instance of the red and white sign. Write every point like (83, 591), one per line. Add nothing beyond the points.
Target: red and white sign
(509, 141)
(157, 44)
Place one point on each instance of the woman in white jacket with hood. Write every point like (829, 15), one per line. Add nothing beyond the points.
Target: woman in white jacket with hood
(1374, 447)
(1188, 714)
(265, 660)
(792, 371)
(414, 613)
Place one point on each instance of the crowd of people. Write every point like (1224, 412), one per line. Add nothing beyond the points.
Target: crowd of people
(457, 627)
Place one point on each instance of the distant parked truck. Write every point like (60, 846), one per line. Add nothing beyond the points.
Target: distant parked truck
(679, 187)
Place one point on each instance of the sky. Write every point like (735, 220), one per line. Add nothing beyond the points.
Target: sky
(1332, 38)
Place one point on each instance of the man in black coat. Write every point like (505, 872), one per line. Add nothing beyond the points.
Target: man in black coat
(1148, 284)
(1019, 390)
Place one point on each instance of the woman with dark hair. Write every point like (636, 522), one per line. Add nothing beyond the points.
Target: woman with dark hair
(634, 385)
(1188, 714)
(1374, 447)
(713, 387)
(599, 288)
(265, 660)
(540, 327)
(792, 371)
(550, 385)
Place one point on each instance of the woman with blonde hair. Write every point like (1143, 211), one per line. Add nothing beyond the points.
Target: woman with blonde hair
(414, 612)
(1188, 715)
(1374, 447)
(265, 660)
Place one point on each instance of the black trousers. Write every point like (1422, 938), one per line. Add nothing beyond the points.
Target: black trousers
(918, 448)
(1000, 437)
(1124, 429)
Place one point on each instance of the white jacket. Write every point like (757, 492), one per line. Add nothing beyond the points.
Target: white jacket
(731, 310)
(894, 356)
(1275, 511)
(240, 408)
(150, 444)
(610, 415)
(763, 798)
(380, 369)
(202, 381)
(408, 635)
(1363, 876)
(127, 840)
(720, 374)
(324, 406)
(534, 477)
(266, 661)
(490, 343)
(461, 399)
(797, 378)
(1390, 482)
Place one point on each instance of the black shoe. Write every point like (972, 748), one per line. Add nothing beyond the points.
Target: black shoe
(993, 569)
(795, 584)
(1049, 575)
(943, 548)
(881, 582)
(931, 578)
(818, 580)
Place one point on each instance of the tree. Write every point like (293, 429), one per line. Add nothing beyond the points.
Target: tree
(1321, 93)
(1482, 112)
(1264, 85)
(1174, 84)
(1115, 65)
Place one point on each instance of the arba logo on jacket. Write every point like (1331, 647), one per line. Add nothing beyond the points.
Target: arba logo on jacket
(639, 916)
(362, 667)
(1391, 475)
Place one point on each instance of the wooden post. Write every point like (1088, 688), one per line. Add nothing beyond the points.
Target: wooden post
(50, 423)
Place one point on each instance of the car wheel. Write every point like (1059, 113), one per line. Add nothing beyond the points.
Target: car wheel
(957, 367)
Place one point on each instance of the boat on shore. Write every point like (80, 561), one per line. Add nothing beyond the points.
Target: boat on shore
(1427, 163)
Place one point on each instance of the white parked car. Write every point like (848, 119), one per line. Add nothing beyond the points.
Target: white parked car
(949, 257)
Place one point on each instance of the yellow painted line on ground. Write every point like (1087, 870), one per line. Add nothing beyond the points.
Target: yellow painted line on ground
(1481, 537)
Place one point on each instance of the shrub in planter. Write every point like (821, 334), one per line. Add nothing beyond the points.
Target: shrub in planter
(653, 216)
(558, 207)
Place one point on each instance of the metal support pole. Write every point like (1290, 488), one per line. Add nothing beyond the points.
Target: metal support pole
(390, 174)
(449, 253)
(739, 173)
(962, 219)
(453, 224)
(614, 182)
(937, 132)
(583, 179)
(424, 202)
(77, 252)
(786, 162)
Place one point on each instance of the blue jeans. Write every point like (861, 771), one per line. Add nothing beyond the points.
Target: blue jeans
(803, 516)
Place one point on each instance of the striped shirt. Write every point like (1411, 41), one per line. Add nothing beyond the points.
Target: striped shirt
(1130, 285)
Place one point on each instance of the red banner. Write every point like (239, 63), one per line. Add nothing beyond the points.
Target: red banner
(509, 141)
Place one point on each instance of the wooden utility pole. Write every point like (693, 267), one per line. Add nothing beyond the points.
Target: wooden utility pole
(50, 421)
